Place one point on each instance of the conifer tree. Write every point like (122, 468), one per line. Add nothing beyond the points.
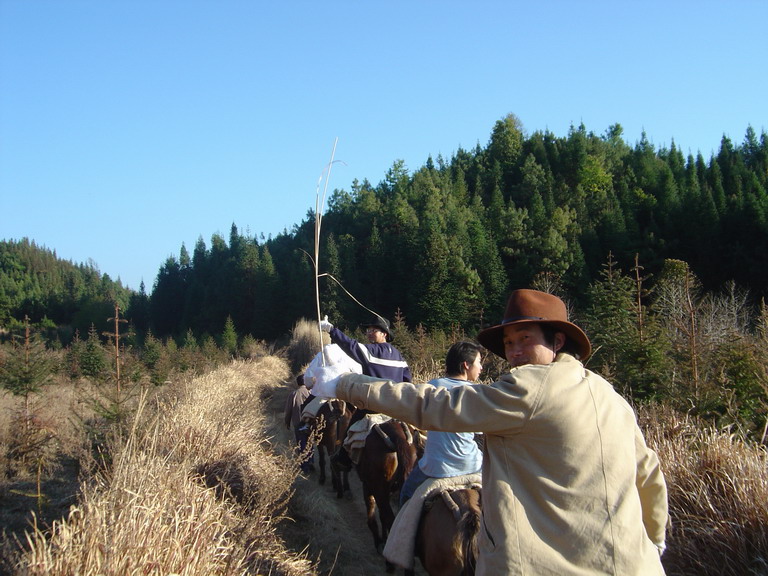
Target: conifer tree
(27, 366)
(629, 347)
(505, 147)
(228, 338)
(93, 361)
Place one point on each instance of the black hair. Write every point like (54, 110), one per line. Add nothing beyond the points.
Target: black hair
(458, 353)
(549, 331)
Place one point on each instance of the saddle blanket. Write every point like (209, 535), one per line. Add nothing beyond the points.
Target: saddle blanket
(358, 432)
(400, 548)
(310, 410)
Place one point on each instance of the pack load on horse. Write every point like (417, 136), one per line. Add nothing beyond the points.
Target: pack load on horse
(439, 525)
(336, 412)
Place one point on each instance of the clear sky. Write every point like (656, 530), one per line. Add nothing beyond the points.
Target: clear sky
(129, 128)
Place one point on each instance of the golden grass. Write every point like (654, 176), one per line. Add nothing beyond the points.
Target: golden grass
(195, 489)
(718, 497)
(204, 483)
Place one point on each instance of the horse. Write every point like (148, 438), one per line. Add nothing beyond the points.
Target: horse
(446, 541)
(330, 426)
(387, 458)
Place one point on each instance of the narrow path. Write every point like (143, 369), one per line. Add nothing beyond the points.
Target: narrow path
(330, 530)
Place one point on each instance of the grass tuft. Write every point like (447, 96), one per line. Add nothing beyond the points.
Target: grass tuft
(194, 489)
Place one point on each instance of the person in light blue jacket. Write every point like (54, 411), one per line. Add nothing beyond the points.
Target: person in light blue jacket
(448, 454)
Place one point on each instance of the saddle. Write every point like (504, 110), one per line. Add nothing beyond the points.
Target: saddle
(358, 432)
(400, 548)
(309, 411)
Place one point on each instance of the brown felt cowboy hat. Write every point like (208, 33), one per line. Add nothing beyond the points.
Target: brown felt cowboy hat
(532, 306)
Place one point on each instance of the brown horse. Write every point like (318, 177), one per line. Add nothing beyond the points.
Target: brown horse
(330, 426)
(389, 455)
(446, 542)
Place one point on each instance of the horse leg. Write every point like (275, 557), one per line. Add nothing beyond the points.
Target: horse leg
(373, 523)
(337, 483)
(386, 518)
(321, 458)
(345, 483)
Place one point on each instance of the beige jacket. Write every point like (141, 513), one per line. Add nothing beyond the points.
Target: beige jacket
(569, 485)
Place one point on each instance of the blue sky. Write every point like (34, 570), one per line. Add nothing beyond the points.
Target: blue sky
(130, 127)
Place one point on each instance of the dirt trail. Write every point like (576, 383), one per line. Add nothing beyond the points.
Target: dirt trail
(330, 530)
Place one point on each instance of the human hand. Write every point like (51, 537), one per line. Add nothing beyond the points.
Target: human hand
(326, 378)
(325, 326)
(325, 368)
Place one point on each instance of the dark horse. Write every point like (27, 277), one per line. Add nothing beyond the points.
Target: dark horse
(389, 455)
(331, 426)
(446, 542)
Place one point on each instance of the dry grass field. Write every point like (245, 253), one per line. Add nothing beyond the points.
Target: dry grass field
(205, 482)
(194, 487)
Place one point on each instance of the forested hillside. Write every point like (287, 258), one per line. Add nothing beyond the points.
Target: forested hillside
(443, 244)
(440, 245)
(660, 256)
(59, 296)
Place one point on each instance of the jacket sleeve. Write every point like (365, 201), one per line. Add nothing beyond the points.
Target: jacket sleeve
(472, 408)
(349, 345)
(653, 492)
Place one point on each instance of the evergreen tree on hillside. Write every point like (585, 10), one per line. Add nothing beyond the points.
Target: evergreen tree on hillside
(35, 283)
(480, 222)
(168, 296)
(505, 148)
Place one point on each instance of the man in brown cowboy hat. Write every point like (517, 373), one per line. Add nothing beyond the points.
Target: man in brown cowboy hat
(569, 484)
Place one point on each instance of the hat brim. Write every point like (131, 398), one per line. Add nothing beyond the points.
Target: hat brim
(493, 338)
(384, 329)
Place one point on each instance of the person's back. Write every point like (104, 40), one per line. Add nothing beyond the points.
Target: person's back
(448, 454)
(292, 416)
(378, 358)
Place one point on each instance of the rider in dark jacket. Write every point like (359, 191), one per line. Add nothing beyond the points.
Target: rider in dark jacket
(378, 358)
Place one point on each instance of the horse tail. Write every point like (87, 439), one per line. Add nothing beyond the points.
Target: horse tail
(465, 541)
(406, 453)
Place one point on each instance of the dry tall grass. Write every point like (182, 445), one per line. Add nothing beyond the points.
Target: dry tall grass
(305, 344)
(718, 497)
(202, 483)
(195, 489)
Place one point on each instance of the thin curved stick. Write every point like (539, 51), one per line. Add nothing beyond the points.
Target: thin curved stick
(319, 206)
(350, 295)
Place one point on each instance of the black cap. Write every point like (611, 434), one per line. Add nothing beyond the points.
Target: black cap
(382, 324)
